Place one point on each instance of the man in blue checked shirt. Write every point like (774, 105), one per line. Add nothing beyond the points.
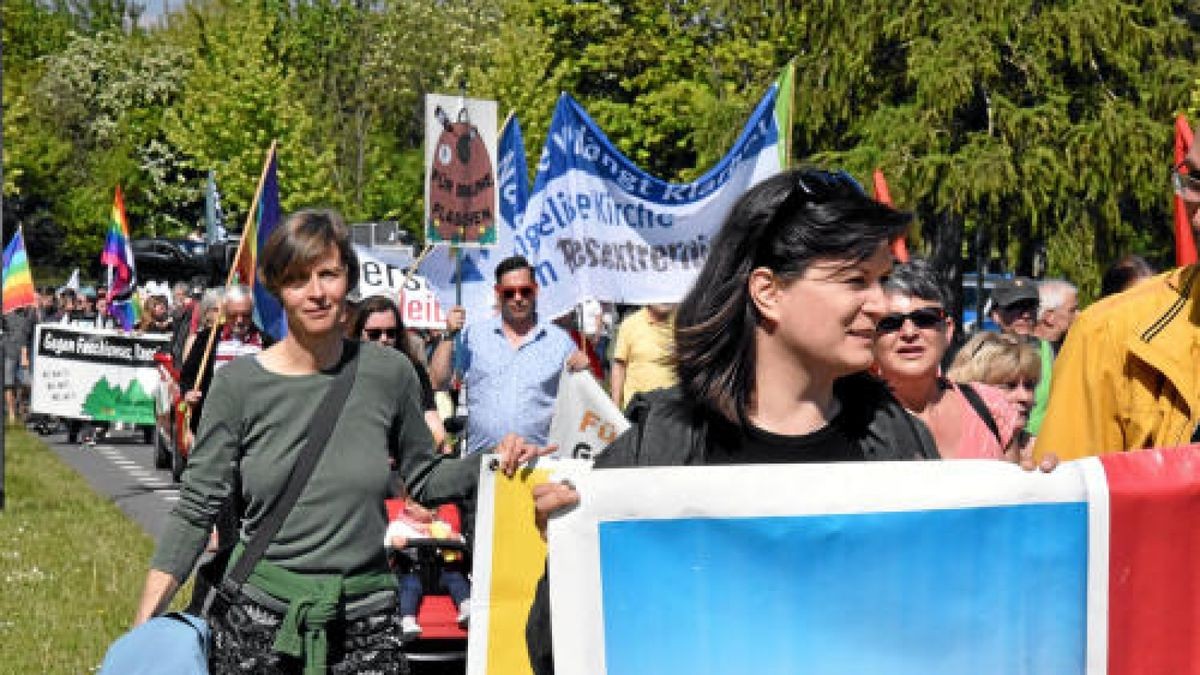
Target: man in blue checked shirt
(510, 363)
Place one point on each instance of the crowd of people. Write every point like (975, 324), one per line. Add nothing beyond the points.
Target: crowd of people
(804, 342)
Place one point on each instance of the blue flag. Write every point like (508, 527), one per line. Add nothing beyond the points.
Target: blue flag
(267, 310)
(514, 174)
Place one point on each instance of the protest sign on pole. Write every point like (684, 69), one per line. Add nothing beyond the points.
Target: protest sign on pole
(508, 560)
(465, 276)
(585, 419)
(904, 568)
(460, 171)
(95, 374)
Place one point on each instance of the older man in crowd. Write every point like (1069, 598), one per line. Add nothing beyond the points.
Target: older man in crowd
(1058, 305)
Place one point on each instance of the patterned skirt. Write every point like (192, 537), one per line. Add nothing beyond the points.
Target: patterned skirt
(242, 638)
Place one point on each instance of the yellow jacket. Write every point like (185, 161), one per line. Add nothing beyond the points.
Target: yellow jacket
(1128, 376)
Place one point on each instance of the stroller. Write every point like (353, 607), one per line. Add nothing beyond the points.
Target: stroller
(442, 645)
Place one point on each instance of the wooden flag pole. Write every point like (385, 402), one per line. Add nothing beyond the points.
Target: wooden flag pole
(237, 258)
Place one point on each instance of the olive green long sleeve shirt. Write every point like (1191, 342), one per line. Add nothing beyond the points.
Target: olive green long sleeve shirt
(256, 422)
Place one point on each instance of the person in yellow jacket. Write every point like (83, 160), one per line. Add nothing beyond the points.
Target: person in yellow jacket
(1128, 376)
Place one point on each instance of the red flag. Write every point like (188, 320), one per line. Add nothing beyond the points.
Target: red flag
(1185, 242)
(899, 246)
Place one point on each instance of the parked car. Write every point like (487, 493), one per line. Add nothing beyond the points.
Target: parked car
(970, 301)
(173, 260)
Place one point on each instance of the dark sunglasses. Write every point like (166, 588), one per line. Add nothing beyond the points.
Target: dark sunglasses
(374, 334)
(926, 318)
(510, 292)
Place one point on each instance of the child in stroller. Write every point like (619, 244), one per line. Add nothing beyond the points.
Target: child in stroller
(413, 530)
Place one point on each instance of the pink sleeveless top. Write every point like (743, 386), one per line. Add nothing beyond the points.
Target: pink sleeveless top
(976, 440)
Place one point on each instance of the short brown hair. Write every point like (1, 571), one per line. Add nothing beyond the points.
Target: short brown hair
(996, 358)
(299, 242)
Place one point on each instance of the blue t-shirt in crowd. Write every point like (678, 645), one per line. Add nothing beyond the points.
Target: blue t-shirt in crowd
(511, 390)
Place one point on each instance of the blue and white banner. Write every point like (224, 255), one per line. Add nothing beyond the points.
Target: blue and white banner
(598, 226)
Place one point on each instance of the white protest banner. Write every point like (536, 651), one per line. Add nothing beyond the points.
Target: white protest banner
(598, 226)
(585, 419)
(460, 170)
(382, 272)
(508, 560)
(94, 374)
(906, 568)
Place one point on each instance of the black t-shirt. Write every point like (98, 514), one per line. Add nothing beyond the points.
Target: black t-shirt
(735, 444)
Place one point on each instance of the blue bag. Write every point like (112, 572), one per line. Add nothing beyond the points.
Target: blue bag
(174, 644)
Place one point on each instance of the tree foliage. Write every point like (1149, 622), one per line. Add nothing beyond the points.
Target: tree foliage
(1039, 132)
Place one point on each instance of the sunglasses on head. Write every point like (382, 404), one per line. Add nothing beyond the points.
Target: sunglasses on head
(926, 318)
(812, 186)
(510, 292)
(374, 334)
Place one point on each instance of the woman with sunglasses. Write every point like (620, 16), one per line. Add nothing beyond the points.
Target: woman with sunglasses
(377, 319)
(772, 347)
(968, 421)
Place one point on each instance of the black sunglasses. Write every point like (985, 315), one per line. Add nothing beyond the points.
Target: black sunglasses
(373, 334)
(815, 186)
(928, 317)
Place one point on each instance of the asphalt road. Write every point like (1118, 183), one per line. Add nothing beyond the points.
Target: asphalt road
(121, 467)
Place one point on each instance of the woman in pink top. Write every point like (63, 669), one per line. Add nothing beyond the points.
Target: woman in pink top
(968, 422)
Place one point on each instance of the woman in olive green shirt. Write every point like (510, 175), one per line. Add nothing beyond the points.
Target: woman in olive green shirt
(324, 575)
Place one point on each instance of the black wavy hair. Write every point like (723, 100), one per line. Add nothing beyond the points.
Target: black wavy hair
(785, 224)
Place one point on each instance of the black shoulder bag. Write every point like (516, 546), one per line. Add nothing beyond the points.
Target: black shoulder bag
(215, 588)
(981, 409)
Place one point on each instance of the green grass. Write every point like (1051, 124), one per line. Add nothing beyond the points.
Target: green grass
(71, 565)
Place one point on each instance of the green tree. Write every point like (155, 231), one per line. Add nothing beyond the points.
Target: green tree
(671, 83)
(1030, 125)
(104, 96)
(237, 99)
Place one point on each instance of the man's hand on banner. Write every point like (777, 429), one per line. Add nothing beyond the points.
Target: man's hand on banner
(577, 361)
(551, 497)
(193, 397)
(513, 451)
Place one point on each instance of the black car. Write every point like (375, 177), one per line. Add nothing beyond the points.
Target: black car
(173, 260)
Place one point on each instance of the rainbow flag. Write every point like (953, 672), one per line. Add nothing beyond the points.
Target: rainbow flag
(123, 301)
(18, 282)
(268, 313)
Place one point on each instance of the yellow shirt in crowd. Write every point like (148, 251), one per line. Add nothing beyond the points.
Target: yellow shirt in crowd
(645, 347)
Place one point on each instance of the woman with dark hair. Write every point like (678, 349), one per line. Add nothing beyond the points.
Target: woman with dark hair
(968, 421)
(772, 345)
(1124, 274)
(377, 319)
(321, 598)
